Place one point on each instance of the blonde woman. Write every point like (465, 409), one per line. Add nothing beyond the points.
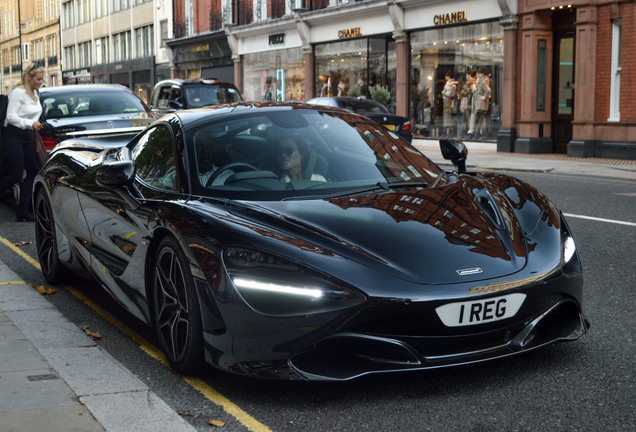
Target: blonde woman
(23, 117)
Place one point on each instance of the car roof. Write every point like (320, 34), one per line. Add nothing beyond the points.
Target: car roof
(193, 115)
(182, 82)
(84, 87)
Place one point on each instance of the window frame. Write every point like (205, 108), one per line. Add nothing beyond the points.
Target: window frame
(615, 74)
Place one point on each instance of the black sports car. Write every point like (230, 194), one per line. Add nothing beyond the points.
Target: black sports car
(305, 242)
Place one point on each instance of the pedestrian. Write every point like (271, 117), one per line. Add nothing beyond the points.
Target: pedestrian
(23, 117)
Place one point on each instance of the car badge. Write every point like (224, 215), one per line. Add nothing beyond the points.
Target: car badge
(110, 124)
(469, 271)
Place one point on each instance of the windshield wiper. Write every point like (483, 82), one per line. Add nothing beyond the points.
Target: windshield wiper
(379, 186)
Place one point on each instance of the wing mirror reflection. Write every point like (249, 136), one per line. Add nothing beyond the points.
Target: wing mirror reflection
(456, 152)
(114, 174)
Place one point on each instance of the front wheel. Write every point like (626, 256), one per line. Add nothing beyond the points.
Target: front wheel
(45, 239)
(176, 311)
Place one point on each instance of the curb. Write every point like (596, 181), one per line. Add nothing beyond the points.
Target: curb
(117, 399)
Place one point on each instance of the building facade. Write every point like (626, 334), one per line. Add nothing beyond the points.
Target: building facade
(29, 32)
(116, 41)
(574, 79)
(499, 71)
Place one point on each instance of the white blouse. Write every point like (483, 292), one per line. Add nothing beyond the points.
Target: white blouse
(22, 111)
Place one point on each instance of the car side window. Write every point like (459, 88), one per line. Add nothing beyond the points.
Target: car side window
(155, 159)
(163, 95)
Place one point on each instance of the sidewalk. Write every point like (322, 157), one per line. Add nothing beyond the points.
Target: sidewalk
(484, 156)
(54, 378)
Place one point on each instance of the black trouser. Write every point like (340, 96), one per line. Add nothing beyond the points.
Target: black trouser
(20, 155)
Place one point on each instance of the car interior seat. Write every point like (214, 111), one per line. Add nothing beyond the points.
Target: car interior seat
(316, 164)
(54, 113)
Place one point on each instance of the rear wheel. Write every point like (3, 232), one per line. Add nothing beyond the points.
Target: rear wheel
(45, 239)
(177, 315)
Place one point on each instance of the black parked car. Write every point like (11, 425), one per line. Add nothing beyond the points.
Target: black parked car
(90, 109)
(177, 94)
(302, 242)
(372, 109)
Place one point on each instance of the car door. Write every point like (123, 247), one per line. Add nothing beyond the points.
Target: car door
(118, 218)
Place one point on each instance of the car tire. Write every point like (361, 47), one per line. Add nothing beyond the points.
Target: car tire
(176, 310)
(46, 240)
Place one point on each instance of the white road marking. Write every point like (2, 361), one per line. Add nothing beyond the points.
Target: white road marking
(570, 215)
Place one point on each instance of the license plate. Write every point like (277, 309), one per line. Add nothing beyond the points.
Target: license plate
(480, 311)
(390, 127)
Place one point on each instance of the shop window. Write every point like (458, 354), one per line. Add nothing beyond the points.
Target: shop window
(448, 65)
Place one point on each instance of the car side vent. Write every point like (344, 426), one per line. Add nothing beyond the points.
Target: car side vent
(488, 205)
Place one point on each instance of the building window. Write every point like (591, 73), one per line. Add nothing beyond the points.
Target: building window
(144, 37)
(84, 56)
(101, 50)
(188, 18)
(69, 57)
(53, 45)
(164, 32)
(615, 83)
(121, 46)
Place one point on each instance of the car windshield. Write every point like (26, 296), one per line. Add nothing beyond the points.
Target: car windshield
(75, 104)
(200, 95)
(363, 106)
(295, 153)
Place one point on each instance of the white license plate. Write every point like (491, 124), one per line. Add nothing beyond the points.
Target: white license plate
(480, 311)
(390, 127)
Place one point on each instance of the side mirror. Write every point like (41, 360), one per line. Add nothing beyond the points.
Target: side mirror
(456, 152)
(114, 174)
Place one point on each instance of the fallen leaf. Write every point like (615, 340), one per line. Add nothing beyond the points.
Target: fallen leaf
(92, 335)
(41, 289)
(217, 423)
(22, 243)
(51, 291)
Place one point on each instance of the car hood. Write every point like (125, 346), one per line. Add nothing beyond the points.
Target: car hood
(457, 233)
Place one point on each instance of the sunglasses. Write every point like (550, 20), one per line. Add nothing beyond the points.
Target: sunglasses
(287, 151)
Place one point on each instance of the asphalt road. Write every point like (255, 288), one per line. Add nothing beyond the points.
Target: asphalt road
(588, 385)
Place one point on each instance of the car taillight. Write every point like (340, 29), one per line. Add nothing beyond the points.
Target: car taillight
(406, 126)
(49, 142)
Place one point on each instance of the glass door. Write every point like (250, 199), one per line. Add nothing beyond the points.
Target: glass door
(563, 91)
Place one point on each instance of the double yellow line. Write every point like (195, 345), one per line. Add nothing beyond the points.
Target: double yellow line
(205, 389)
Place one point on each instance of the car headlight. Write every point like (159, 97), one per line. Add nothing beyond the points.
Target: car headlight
(277, 286)
(569, 249)
(569, 257)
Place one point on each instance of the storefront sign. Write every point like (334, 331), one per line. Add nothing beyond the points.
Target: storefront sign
(350, 33)
(82, 73)
(277, 39)
(201, 48)
(450, 18)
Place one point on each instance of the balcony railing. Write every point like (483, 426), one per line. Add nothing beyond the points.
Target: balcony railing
(52, 61)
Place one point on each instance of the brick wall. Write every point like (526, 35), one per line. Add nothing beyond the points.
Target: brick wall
(626, 12)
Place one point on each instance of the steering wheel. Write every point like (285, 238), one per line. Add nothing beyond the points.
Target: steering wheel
(233, 167)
